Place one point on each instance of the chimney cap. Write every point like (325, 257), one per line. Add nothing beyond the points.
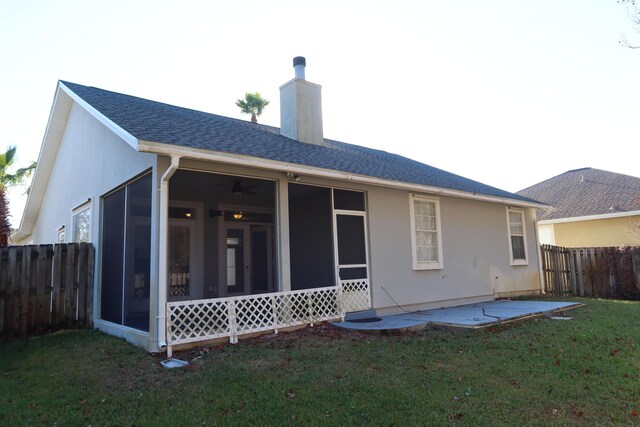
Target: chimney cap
(299, 60)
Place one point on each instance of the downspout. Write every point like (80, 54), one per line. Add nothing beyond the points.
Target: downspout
(164, 250)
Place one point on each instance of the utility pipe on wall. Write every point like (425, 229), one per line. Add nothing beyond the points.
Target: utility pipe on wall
(164, 251)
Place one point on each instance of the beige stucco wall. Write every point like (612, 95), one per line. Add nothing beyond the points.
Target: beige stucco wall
(475, 252)
(599, 232)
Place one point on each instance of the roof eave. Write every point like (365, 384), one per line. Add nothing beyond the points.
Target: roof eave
(242, 160)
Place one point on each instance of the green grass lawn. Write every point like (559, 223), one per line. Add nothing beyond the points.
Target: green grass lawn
(538, 372)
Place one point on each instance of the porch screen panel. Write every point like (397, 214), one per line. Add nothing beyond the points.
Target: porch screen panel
(126, 254)
(259, 261)
(112, 256)
(310, 237)
(351, 243)
(138, 259)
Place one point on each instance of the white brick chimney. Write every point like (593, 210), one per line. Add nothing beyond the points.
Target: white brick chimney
(301, 107)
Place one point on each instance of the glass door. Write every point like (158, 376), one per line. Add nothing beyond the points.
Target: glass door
(238, 259)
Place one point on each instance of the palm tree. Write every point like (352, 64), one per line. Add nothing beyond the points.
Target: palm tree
(252, 104)
(9, 180)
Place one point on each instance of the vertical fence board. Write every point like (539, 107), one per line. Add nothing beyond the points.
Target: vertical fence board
(43, 289)
(82, 284)
(56, 283)
(579, 271)
(90, 275)
(3, 290)
(11, 320)
(69, 282)
(24, 286)
(571, 268)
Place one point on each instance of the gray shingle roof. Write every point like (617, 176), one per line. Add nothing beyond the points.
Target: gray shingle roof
(584, 192)
(157, 122)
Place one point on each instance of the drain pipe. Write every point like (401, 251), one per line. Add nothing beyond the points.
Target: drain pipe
(164, 251)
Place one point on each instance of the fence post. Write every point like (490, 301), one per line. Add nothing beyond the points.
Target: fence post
(274, 312)
(233, 325)
(310, 309)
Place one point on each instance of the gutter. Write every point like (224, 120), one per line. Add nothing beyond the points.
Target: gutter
(164, 251)
(234, 159)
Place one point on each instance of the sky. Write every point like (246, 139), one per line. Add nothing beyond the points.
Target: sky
(508, 93)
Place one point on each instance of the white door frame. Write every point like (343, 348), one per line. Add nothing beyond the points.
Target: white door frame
(362, 214)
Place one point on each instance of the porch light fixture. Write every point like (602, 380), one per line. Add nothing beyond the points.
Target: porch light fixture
(188, 214)
(238, 215)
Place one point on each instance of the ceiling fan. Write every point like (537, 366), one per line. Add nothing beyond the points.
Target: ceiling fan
(237, 189)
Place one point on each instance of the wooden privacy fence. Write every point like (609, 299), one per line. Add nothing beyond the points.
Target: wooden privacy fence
(610, 272)
(45, 288)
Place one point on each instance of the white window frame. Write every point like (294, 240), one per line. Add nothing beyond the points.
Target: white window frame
(86, 206)
(425, 265)
(524, 261)
(61, 231)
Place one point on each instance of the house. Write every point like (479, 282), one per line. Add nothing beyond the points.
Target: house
(201, 221)
(592, 208)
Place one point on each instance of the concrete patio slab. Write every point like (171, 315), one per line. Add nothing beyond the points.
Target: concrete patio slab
(470, 316)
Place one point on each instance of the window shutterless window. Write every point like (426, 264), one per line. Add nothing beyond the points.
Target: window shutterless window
(81, 223)
(517, 236)
(426, 234)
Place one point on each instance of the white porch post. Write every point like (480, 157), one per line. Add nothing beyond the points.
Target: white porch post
(283, 235)
(164, 251)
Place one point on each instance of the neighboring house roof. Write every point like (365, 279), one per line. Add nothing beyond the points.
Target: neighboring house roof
(587, 192)
(166, 129)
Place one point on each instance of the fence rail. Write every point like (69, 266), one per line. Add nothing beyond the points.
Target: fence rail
(607, 272)
(206, 319)
(45, 288)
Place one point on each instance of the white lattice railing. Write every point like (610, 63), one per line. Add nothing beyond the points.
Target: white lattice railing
(205, 319)
(355, 295)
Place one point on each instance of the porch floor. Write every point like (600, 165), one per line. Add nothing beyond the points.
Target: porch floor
(470, 316)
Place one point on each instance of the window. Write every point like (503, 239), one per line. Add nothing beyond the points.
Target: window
(81, 222)
(517, 237)
(60, 235)
(426, 237)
